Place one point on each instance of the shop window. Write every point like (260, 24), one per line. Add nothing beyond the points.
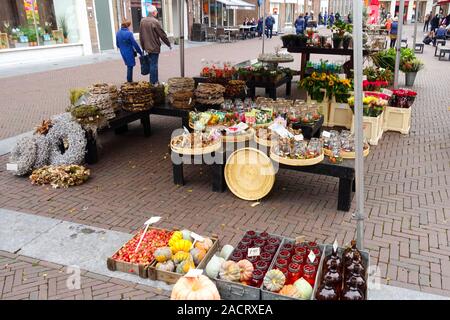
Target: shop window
(29, 23)
(289, 13)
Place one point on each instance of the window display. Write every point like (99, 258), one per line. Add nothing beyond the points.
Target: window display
(30, 23)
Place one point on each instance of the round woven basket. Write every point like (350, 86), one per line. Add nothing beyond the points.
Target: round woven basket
(249, 174)
(264, 142)
(195, 151)
(347, 155)
(296, 162)
(239, 138)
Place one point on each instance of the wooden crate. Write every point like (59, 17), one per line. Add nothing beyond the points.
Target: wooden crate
(4, 41)
(373, 128)
(340, 115)
(172, 277)
(397, 119)
(128, 267)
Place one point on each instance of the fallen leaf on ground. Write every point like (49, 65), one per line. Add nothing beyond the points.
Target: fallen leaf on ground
(255, 204)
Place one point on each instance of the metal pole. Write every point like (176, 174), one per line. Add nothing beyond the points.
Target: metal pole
(264, 25)
(216, 10)
(209, 13)
(415, 24)
(359, 133)
(181, 16)
(398, 44)
(34, 20)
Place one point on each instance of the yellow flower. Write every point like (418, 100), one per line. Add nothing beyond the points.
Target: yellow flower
(324, 77)
(311, 83)
(314, 75)
(331, 83)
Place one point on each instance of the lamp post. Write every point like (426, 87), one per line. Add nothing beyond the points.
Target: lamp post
(398, 44)
(181, 22)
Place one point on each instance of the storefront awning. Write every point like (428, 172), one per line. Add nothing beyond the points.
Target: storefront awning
(237, 4)
(441, 2)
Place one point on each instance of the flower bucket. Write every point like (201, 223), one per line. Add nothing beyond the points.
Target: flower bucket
(410, 77)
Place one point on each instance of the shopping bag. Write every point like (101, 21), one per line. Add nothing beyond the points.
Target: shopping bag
(145, 64)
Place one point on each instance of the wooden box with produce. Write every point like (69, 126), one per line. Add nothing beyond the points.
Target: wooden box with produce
(185, 250)
(129, 261)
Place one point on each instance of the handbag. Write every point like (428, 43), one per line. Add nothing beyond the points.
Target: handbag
(145, 64)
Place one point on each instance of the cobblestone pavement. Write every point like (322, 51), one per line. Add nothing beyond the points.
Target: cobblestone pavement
(407, 183)
(24, 278)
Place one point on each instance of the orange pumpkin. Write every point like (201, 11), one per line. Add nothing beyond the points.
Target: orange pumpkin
(246, 269)
(197, 288)
(198, 255)
(206, 244)
(290, 291)
(230, 271)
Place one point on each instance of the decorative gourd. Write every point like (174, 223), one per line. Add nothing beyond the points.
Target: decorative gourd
(246, 269)
(304, 288)
(229, 270)
(177, 235)
(197, 288)
(180, 256)
(290, 291)
(198, 255)
(186, 235)
(206, 244)
(213, 267)
(163, 254)
(166, 266)
(185, 266)
(226, 251)
(274, 280)
(181, 245)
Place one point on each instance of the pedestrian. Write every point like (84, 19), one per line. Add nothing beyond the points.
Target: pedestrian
(337, 16)
(150, 35)
(349, 17)
(246, 21)
(270, 21)
(259, 27)
(426, 23)
(325, 19)
(320, 18)
(252, 22)
(441, 33)
(300, 24)
(388, 23)
(434, 23)
(331, 19)
(306, 19)
(128, 47)
(393, 32)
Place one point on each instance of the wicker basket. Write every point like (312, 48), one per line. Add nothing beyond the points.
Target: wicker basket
(195, 151)
(240, 137)
(296, 162)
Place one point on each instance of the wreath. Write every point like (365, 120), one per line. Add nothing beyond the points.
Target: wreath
(24, 155)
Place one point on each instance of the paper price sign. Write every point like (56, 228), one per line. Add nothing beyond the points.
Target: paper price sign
(194, 273)
(311, 256)
(299, 239)
(197, 237)
(12, 167)
(326, 134)
(387, 92)
(147, 224)
(253, 252)
(335, 245)
(152, 220)
(342, 76)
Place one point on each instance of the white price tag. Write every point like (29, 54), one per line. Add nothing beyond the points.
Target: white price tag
(298, 137)
(387, 92)
(152, 220)
(335, 245)
(197, 237)
(299, 239)
(253, 252)
(326, 134)
(342, 76)
(364, 78)
(185, 130)
(311, 256)
(342, 106)
(190, 100)
(194, 273)
(12, 167)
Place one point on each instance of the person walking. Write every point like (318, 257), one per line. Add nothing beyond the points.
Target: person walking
(393, 32)
(270, 21)
(434, 23)
(331, 19)
(388, 23)
(325, 18)
(259, 27)
(150, 35)
(349, 17)
(300, 24)
(426, 22)
(128, 48)
(306, 19)
(320, 18)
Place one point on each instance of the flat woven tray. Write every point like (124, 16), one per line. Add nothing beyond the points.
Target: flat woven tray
(296, 162)
(347, 155)
(195, 151)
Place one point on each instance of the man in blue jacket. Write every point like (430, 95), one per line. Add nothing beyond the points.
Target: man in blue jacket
(128, 47)
(300, 24)
(270, 21)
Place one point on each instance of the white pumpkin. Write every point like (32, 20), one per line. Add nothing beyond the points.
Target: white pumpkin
(226, 251)
(187, 235)
(213, 267)
(304, 288)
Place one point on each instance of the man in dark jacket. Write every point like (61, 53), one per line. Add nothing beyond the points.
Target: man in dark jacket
(306, 19)
(331, 19)
(270, 21)
(259, 27)
(434, 23)
(150, 35)
(300, 24)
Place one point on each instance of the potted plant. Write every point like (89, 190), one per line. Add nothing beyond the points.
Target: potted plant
(337, 39)
(410, 68)
(301, 40)
(346, 40)
(288, 40)
(64, 28)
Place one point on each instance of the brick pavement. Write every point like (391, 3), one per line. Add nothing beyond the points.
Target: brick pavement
(27, 278)
(407, 183)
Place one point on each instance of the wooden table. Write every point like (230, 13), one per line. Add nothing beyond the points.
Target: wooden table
(307, 51)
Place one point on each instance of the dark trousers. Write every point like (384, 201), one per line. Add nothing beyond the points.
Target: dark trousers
(129, 73)
(426, 25)
(153, 67)
(393, 40)
(269, 32)
(438, 37)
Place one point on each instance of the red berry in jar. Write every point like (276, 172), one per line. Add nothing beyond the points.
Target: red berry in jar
(269, 248)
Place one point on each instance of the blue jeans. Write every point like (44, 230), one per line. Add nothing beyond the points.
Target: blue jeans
(153, 67)
(129, 74)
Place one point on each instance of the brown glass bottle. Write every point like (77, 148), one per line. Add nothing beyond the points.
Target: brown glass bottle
(356, 261)
(327, 291)
(352, 292)
(359, 277)
(333, 257)
(334, 275)
(347, 256)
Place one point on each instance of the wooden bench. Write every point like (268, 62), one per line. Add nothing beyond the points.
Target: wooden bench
(443, 51)
(438, 41)
(419, 48)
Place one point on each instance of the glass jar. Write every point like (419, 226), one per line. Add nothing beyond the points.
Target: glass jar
(317, 252)
(301, 251)
(259, 243)
(253, 259)
(347, 256)
(327, 291)
(352, 292)
(262, 265)
(333, 257)
(264, 236)
(285, 272)
(250, 234)
(237, 256)
(274, 241)
(281, 263)
(247, 241)
(257, 278)
(360, 281)
(355, 264)
(285, 254)
(334, 275)
(300, 149)
(314, 263)
(287, 246)
(243, 248)
(309, 274)
(298, 259)
(294, 273)
(270, 249)
(266, 256)
(311, 246)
